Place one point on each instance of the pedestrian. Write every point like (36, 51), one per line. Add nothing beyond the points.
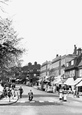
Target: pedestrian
(77, 92)
(54, 88)
(13, 93)
(60, 94)
(9, 94)
(5, 92)
(65, 95)
(30, 94)
(20, 91)
(74, 91)
(13, 85)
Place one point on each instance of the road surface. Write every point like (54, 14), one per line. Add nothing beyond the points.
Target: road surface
(47, 106)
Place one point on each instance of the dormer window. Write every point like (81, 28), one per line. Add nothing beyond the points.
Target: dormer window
(67, 64)
(72, 62)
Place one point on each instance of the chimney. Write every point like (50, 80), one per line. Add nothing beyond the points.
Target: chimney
(79, 51)
(57, 55)
(29, 64)
(75, 50)
(35, 63)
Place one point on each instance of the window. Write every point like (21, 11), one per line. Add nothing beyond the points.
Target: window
(80, 72)
(72, 62)
(67, 74)
(72, 73)
(67, 64)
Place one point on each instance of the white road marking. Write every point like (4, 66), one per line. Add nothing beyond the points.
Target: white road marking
(51, 101)
(32, 101)
(41, 101)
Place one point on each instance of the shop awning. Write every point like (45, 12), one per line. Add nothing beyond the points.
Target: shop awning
(79, 84)
(78, 80)
(69, 81)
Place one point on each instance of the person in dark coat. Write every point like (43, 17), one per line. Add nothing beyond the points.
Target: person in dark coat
(9, 94)
(20, 91)
(5, 92)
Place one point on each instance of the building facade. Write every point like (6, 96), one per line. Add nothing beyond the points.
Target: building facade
(55, 66)
(59, 65)
(31, 70)
(64, 60)
(74, 66)
(45, 68)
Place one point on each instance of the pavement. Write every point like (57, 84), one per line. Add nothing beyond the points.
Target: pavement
(5, 101)
(75, 98)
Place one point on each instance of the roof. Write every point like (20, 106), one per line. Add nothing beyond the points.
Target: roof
(45, 63)
(56, 59)
(80, 64)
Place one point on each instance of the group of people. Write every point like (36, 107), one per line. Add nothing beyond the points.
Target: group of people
(63, 94)
(9, 92)
(64, 91)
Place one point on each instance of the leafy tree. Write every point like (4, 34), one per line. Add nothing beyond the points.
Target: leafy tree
(9, 51)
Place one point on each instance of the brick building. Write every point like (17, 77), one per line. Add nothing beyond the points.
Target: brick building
(31, 70)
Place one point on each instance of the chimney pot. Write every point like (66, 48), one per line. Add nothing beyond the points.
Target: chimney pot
(57, 55)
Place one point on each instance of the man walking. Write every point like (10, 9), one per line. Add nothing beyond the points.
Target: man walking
(20, 91)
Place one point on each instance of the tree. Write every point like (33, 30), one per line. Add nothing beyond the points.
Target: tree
(3, 2)
(9, 51)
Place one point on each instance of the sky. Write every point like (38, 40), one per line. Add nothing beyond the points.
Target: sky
(49, 27)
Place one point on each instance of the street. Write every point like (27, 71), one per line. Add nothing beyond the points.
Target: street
(42, 104)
